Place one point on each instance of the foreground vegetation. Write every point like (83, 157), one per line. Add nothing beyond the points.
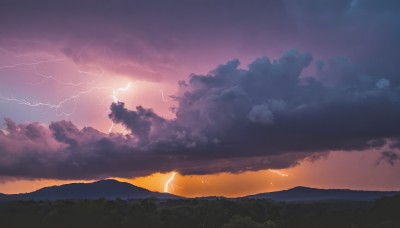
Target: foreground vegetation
(207, 213)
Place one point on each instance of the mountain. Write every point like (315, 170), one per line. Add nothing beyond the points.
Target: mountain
(110, 189)
(313, 194)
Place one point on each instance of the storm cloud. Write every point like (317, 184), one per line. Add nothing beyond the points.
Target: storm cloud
(233, 119)
(271, 113)
(156, 39)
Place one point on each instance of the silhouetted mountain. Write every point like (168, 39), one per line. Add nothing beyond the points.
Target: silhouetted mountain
(314, 194)
(112, 189)
(109, 189)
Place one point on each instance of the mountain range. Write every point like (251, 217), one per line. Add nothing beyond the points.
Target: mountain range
(112, 189)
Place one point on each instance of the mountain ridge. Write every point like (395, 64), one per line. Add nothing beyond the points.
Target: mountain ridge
(113, 189)
(109, 189)
(302, 193)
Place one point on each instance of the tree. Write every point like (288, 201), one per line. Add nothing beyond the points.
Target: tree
(238, 221)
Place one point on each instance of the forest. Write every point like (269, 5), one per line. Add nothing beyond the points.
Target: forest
(201, 212)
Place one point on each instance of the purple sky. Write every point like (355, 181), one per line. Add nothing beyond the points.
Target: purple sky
(199, 87)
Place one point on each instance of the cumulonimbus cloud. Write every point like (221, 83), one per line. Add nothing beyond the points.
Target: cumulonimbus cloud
(230, 120)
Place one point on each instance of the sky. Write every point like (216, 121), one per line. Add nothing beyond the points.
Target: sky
(236, 97)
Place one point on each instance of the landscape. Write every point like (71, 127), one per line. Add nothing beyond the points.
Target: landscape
(110, 203)
(200, 113)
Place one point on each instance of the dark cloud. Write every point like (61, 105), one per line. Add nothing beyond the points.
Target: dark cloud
(230, 120)
(150, 38)
(141, 122)
(389, 156)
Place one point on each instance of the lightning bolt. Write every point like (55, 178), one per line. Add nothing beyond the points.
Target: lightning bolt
(75, 98)
(114, 95)
(35, 63)
(51, 77)
(169, 182)
(55, 106)
(119, 90)
(32, 63)
(163, 97)
(279, 173)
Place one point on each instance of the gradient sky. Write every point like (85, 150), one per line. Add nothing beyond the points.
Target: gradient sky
(238, 97)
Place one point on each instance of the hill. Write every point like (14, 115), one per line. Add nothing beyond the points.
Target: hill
(313, 194)
(109, 189)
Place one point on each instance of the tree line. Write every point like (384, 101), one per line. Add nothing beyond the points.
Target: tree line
(201, 213)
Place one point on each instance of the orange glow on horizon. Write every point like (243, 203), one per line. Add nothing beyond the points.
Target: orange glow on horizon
(222, 184)
(337, 171)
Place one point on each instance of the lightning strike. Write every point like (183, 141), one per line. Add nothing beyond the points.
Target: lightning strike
(279, 173)
(118, 90)
(111, 128)
(51, 77)
(31, 63)
(114, 95)
(163, 97)
(56, 106)
(169, 182)
(35, 63)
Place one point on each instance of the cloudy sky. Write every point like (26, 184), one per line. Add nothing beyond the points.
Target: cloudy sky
(237, 97)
